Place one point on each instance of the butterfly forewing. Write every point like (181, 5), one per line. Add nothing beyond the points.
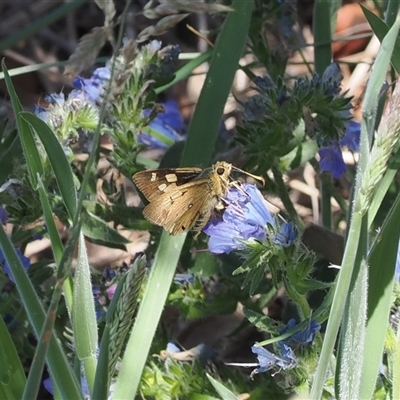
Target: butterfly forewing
(154, 183)
(178, 211)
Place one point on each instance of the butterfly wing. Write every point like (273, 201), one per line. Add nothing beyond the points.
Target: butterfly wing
(156, 182)
(179, 210)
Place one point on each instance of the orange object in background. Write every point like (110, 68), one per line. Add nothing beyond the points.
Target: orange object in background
(350, 21)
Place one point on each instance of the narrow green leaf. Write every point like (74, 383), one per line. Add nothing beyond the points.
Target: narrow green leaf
(58, 160)
(380, 290)
(84, 316)
(185, 71)
(11, 363)
(381, 29)
(210, 105)
(29, 148)
(224, 392)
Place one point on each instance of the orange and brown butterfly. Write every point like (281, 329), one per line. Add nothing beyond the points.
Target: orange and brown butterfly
(184, 198)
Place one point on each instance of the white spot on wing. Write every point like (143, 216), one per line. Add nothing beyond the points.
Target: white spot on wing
(153, 176)
(171, 178)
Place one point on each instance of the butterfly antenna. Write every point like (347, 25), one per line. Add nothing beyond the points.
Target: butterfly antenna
(256, 177)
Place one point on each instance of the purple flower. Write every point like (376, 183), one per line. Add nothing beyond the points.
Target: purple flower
(268, 360)
(3, 215)
(164, 129)
(111, 290)
(6, 266)
(332, 161)
(351, 137)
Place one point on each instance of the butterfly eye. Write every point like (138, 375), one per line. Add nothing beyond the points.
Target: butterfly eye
(220, 170)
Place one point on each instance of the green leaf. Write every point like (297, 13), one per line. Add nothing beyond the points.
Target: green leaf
(223, 391)
(95, 228)
(260, 321)
(305, 285)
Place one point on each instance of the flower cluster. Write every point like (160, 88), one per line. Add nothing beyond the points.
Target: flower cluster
(286, 360)
(246, 217)
(66, 116)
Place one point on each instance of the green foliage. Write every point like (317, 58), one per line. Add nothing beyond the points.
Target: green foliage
(57, 311)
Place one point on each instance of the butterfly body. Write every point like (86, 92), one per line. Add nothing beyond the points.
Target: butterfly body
(183, 198)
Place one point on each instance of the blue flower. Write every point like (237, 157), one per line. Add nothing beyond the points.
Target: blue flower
(246, 217)
(351, 137)
(332, 161)
(57, 99)
(286, 235)
(3, 216)
(91, 89)
(302, 337)
(268, 360)
(6, 267)
(164, 129)
(181, 279)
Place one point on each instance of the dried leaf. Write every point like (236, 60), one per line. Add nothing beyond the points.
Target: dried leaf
(195, 6)
(108, 8)
(168, 22)
(145, 34)
(86, 52)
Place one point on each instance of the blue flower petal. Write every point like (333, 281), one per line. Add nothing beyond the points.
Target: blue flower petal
(332, 161)
(302, 337)
(24, 260)
(397, 270)
(166, 124)
(286, 236)
(351, 137)
(245, 217)
(223, 237)
(266, 359)
(3, 216)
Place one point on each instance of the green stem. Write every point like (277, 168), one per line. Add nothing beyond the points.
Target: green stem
(284, 196)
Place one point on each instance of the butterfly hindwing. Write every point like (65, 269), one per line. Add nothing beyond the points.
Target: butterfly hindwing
(178, 211)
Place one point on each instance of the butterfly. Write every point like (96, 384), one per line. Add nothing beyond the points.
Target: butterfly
(184, 198)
